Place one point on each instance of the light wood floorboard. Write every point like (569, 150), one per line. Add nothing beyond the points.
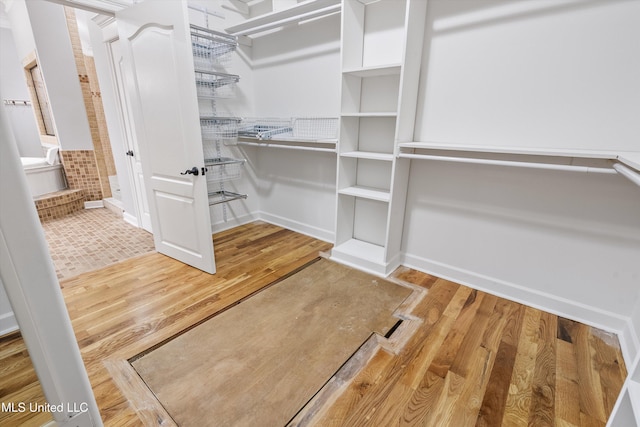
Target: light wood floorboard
(469, 358)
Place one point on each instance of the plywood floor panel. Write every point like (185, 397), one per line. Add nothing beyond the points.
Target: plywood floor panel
(259, 362)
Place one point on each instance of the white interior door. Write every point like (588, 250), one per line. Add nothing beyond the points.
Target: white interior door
(159, 80)
(143, 212)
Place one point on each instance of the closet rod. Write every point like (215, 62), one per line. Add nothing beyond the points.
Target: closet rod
(627, 173)
(293, 19)
(288, 147)
(531, 165)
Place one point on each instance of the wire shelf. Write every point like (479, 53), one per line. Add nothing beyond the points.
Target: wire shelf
(211, 50)
(219, 129)
(223, 168)
(303, 129)
(210, 85)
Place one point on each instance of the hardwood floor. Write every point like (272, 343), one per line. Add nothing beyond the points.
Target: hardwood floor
(485, 361)
(460, 357)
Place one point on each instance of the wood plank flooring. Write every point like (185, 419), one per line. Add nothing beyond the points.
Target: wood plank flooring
(484, 361)
(468, 358)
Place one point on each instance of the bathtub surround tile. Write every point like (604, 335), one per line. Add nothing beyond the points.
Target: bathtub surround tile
(59, 204)
(82, 172)
(91, 239)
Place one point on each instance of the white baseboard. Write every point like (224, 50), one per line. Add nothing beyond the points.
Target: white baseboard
(93, 204)
(315, 232)
(589, 315)
(8, 323)
(131, 219)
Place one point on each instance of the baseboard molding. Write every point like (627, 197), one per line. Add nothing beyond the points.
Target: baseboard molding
(131, 219)
(315, 232)
(234, 222)
(8, 323)
(589, 315)
(93, 204)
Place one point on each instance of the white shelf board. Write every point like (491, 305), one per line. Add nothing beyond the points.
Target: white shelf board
(380, 70)
(371, 114)
(631, 159)
(368, 155)
(590, 154)
(264, 22)
(360, 249)
(366, 193)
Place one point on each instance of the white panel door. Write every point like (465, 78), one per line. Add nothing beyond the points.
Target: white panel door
(159, 79)
(143, 212)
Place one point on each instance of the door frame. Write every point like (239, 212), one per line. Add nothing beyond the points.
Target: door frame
(107, 26)
(36, 297)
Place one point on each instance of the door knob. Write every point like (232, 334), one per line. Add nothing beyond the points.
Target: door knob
(194, 170)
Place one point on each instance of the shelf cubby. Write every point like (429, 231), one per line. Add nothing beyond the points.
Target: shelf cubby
(371, 134)
(373, 33)
(371, 94)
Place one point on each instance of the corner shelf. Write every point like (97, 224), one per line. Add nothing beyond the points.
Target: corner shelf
(302, 11)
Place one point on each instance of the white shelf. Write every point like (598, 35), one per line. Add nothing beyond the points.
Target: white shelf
(630, 159)
(302, 11)
(372, 114)
(589, 154)
(368, 155)
(355, 248)
(366, 193)
(376, 71)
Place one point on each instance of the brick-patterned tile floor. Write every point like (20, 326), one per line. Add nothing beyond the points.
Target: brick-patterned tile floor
(91, 239)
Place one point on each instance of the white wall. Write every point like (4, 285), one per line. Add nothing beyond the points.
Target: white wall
(55, 57)
(13, 86)
(296, 73)
(21, 28)
(554, 74)
(544, 73)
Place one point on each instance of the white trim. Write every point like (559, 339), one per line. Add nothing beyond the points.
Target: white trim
(588, 315)
(131, 219)
(308, 230)
(8, 323)
(93, 204)
(35, 295)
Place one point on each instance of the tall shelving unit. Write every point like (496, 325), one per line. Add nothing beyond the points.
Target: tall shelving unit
(381, 55)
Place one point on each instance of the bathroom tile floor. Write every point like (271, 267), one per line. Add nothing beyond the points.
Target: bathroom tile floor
(91, 239)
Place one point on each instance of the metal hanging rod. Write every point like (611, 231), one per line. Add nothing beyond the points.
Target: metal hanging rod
(628, 173)
(531, 165)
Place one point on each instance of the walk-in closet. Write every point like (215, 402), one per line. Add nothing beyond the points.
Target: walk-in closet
(494, 145)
